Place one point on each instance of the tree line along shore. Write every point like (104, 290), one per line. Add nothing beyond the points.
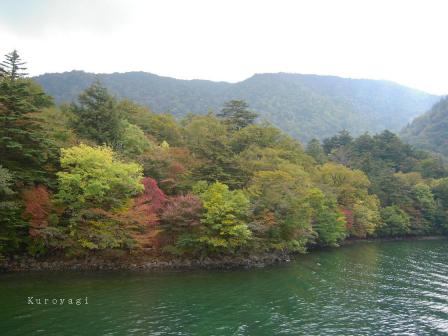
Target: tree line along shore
(105, 177)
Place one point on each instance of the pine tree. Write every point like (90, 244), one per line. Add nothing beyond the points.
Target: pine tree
(12, 226)
(97, 116)
(12, 66)
(237, 115)
(23, 147)
(343, 138)
(315, 150)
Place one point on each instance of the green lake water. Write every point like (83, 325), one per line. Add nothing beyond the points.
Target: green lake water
(381, 288)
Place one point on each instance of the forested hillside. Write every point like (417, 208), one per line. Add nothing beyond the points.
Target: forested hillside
(430, 131)
(107, 175)
(304, 106)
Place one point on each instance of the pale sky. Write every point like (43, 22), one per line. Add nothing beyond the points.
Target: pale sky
(230, 40)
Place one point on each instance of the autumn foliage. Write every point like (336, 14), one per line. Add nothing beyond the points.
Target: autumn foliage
(146, 211)
(152, 197)
(181, 212)
(125, 178)
(38, 207)
(348, 214)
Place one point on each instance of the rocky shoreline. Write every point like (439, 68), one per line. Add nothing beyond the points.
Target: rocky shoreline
(147, 262)
(389, 239)
(94, 263)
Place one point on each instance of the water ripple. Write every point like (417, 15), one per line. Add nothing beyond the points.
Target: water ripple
(395, 288)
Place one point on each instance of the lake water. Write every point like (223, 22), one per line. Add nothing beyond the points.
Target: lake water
(381, 288)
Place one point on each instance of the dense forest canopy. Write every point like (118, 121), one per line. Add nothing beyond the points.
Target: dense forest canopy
(304, 106)
(430, 131)
(107, 174)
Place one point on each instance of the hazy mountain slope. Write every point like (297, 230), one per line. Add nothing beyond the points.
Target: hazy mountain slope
(305, 106)
(430, 131)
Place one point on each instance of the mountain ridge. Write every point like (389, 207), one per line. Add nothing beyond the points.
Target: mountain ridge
(303, 105)
(430, 130)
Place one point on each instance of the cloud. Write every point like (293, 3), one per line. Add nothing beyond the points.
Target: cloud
(400, 40)
(39, 17)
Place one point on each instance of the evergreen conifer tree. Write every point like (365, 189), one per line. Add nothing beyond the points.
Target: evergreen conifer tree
(237, 115)
(97, 115)
(12, 66)
(23, 147)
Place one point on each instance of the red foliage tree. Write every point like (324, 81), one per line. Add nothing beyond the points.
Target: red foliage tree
(152, 197)
(182, 211)
(181, 214)
(349, 218)
(170, 166)
(37, 208)
(146, 210)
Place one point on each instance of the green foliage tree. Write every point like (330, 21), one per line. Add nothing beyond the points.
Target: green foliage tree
(279, 204)
(263, 135)
(411, 192)
(425, 208)
(267, 150)
(224, 228)
(24, 149)
(208, 140)
(96, 115)
(327, 221)
(95, 188)
(395, 222)
(236, 114)
(431, 166)
(132, 142)
(343, 138)
(315, 150)
(12, 226)
(366, 217)
(162, 127)
(344, 184)
(56, 126)
(440, 192)
(93, 178)
(350, 189)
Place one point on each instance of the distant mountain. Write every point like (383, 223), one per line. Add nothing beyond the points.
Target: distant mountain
(305, 106)
(430, 131)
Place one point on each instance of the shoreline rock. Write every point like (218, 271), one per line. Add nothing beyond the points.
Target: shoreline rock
(147, 262)
(143, 263)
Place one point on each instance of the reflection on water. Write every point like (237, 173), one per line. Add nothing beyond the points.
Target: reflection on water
(391, 288)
